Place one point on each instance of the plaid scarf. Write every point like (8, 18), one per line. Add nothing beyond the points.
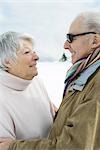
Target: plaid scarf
(80, 66)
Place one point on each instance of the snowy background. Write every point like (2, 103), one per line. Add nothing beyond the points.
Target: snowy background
(53, 75)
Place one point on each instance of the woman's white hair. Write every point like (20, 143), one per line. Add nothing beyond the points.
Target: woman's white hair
(10, 44)
(91, 21)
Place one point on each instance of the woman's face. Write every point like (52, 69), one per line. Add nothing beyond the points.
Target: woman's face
(25, 64)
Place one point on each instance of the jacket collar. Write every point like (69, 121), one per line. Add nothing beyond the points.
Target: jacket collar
(80, 83)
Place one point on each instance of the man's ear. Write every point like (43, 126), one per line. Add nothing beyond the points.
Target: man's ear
(95, 42)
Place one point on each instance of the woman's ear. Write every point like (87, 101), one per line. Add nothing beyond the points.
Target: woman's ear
(7, 63)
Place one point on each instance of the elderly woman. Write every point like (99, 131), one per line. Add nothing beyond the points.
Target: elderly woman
(25, 110)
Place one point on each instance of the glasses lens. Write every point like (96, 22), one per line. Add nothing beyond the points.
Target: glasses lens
(69, 38)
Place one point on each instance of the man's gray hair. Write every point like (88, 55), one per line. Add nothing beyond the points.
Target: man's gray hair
(92, 21)
(10, 44)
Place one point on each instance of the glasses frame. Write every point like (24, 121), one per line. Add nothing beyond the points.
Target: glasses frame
(70, 36)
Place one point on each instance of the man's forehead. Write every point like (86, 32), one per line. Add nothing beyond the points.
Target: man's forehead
(77, 26)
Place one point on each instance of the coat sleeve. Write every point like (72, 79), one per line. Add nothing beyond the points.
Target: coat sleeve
(81, 130)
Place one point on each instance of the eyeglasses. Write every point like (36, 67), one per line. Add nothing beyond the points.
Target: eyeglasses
(70, 37)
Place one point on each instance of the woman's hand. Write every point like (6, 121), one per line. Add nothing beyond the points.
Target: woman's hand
(4, 143)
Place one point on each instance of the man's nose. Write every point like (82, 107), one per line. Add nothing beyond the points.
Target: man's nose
(66, 45)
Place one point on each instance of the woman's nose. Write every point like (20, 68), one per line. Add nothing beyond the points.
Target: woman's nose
(66, 45)
(35, 56)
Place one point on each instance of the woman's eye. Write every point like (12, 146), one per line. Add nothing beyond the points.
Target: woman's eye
(27, 52)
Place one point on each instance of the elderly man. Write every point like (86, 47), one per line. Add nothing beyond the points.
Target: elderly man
(77, 124)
